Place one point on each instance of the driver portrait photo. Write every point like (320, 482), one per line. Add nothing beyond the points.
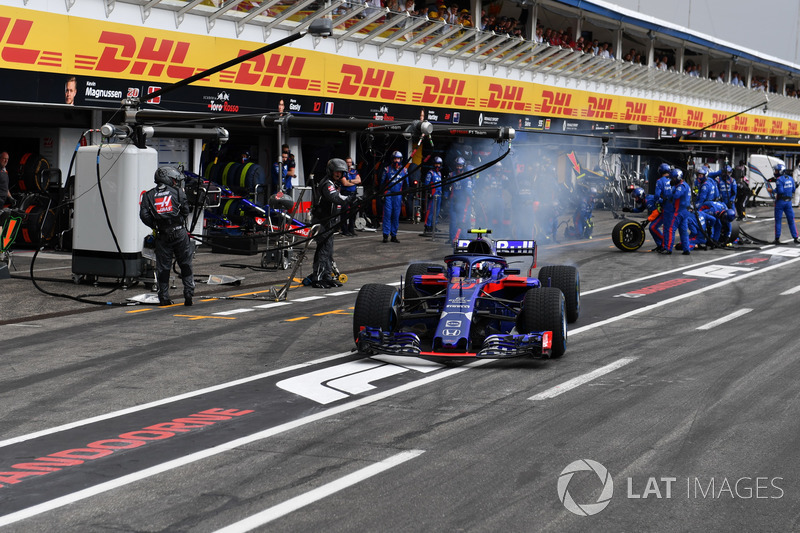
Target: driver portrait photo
(70, 90)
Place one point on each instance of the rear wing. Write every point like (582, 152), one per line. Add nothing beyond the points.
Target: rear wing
(504, 248)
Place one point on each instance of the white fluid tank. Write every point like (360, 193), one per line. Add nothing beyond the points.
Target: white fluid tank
(126, 172)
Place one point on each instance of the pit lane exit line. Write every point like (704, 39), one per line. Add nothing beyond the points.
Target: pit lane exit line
(273, 513)
(167, 466)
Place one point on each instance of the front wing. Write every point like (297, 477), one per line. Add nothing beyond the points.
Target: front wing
(499, 346)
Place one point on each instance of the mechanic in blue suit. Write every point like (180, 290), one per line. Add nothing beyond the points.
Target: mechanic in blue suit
(680, 199)
(706, 188)
(726, 185)
(700, 228)
(395, 178)
(721, 226)
(641, 203)
(460, 201)
(784, 190)
(663, 199)
(433, 184)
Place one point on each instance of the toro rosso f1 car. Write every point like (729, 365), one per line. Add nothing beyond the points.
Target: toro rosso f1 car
(474, 306)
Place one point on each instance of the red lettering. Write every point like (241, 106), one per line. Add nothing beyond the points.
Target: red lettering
(17, 36)
(82, 453)
(119, 43)
(228, 412)
(124, 444)
(15, 477)
(171, 426)
(147, 435)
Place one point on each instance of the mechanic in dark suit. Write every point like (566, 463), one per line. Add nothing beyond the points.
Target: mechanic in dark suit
(165, 208)
(328, 202)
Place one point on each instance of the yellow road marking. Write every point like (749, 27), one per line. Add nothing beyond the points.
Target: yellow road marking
(296, 319)
(336, 312)
(200, 317)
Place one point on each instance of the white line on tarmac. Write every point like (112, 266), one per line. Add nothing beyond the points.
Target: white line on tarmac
(791, 291)
(682, 296)
(298, 502)
(228, 446)
(172, 399)
(662, 273)
(580, 380)
(726, 318)
(234, 311)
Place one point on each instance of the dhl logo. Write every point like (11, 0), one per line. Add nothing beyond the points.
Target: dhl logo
(505, 97)
(600, 108)
(152, 57)
(760, 125)
(777, 127)
(276, 70)
(443, 91)
(13, 34)
(740, 123)
(668, 114)
(694, 118)
(636, 111)
(366, 83)
(721, 120)
(556, 103)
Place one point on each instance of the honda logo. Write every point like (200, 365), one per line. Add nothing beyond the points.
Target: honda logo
(451, 332)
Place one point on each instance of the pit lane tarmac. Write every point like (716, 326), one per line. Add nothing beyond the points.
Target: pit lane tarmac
(51, 468)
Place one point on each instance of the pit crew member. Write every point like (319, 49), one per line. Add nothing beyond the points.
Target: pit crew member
(784, 190)
(395, 179)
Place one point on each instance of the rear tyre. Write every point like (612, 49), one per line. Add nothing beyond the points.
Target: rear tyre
(414, 269)
(543, 309)
(567, 279)
(376, 307)
(628, 235)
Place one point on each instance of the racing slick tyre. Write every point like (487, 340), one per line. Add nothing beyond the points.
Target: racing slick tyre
(628, 235)
(414, 269)
(734, 232)
(544, 309)
(567, 279)
(376, 307)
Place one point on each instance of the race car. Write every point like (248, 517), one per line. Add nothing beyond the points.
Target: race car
(473, 306)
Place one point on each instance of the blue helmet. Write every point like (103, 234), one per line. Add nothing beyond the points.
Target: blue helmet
(638, 193)
(701, 171)
(676, 174)
(779, 169)
(730, 214)
(664, 168)
(460, 162)
(437, 160)
(728, 169)
(397, 154)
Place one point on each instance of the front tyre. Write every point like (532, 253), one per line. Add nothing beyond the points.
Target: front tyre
(567, 279)
(543, 309)
(414, 269)
(628, 235)
(376, 307)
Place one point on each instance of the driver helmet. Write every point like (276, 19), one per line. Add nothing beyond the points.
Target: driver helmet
(779, 169)
(167, 176)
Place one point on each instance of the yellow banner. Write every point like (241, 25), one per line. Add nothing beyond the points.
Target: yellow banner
(44, 42)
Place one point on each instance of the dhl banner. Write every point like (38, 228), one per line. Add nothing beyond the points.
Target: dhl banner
(104, 53)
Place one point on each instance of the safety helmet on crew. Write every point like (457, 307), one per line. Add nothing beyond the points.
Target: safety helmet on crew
(779, 169)
(437, 160)
(664, 168)
(728, 169)
(397, 155)
(638, 193)
(701, 171)
(336, 165)
(676, 174)
(730, 214)
(460, 162)
(167, 176)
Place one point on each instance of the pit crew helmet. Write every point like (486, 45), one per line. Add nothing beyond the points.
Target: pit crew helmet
(336, 165)
(437, 160)
(779, 169)
(638, 193)
(676, 174)
(701, 171)
(728, 169)
(460, 162)
(664, 168)
(397, 154)
(167, 176)
(730, 215)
